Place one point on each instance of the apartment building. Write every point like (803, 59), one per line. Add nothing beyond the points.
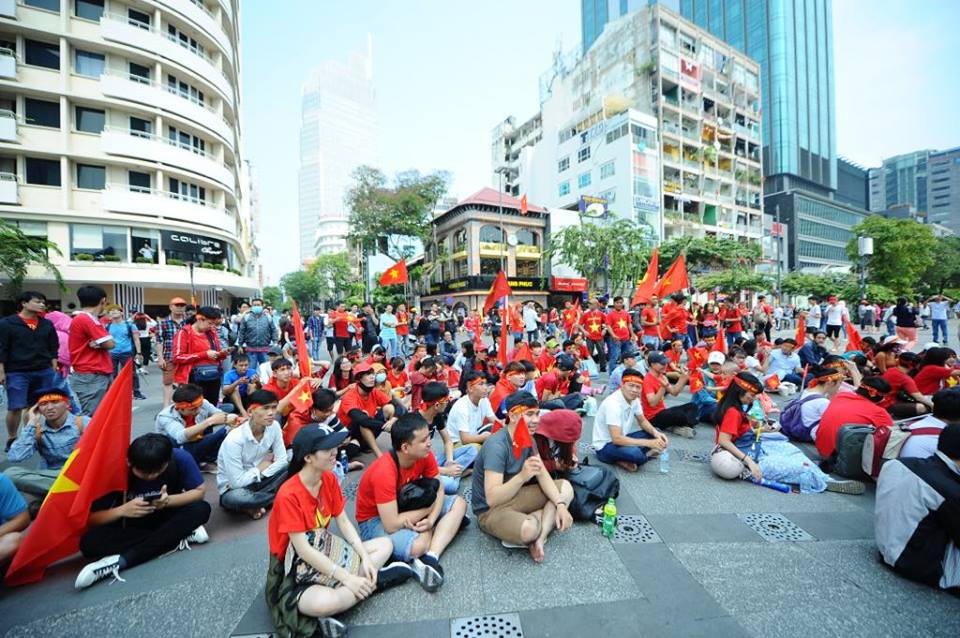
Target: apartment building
(120, 142)
(943, 189)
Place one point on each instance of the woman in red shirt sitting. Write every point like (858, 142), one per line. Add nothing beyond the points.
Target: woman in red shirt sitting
(341, 378)
(937, 366)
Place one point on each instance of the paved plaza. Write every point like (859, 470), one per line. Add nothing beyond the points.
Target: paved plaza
(694, 556)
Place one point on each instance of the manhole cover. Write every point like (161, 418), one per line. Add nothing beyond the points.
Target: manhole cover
(775, 527)
(690, 455)
(499, 626)
(632, 528)
(350, 490)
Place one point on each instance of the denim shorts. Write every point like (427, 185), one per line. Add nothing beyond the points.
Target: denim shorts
(20, 385)
(402, 539)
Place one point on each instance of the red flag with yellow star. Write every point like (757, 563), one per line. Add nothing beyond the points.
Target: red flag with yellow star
(720, 345)
(696, 381)
(697, 357)
(499, 289)
(801, 337)
(303, 354)
(521, 438)
(854, 342)
(395, 274)
(674, 280)
(96, 467)
(646, 285)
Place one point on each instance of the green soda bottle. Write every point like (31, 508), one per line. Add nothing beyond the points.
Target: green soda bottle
(609, 518)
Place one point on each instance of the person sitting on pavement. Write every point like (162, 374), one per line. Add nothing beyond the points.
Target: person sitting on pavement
(628, 361)
(814, 350)
(454, 462)
(421, 528)
(14, 519)
(923, 438)
(621, 434)
(680, 419)
(189, 423)
(471, 418)
(553, 387)
(802, 421)
(52, 432)
(238, 382)
(323, 411)
(916, 524)
(252, 459)
(161, 509)
(512, 379)
(293, 393)
(784, 364)
(314, 574)
(556, 439)
(904, 399)
(514, 497)
(860, 407)
(366, 411)
(426, 371)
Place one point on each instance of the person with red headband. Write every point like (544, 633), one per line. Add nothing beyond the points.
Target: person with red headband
(453, 462)
(800, 419)
(189, 423)
(51, 432)
(860, 407)
(680, 419)
(621, 434)
(513, 378)
(365, 410)
(471, 417)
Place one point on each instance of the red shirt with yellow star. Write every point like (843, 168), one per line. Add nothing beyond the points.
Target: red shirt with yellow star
(619, 322)
(592, 322)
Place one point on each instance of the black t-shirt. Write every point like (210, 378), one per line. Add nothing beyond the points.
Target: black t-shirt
(182, 475)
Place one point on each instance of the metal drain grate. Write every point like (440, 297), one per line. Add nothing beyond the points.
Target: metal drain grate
(350, 490)
(690, 456)
(499, 626)
(632, 528)
(468, 495)
(775, 528)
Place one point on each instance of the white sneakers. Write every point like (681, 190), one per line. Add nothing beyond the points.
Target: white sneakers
(98, 570)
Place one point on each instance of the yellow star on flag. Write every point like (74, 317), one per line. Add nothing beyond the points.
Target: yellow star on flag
(394, 274)
(645, 275)
(666, 282)
(304, 396)
(594, 326)
(64, 483)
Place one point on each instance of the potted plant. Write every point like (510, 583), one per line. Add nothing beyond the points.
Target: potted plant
(83, 257)
(112, 258)
(143, 260)
(176, 262)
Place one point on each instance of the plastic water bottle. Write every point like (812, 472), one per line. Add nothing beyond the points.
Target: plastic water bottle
(609, 518)
(344, 462)
(665, 462)
(806, 480)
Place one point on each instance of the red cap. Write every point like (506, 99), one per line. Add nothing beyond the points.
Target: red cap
(360, 368)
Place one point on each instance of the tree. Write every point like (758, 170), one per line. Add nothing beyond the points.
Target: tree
(19, 251)
(820, 286)
(333, 274)
(733, 281)
(710, 253)
(903, 250)
(302, 286)
(272, 296)
(383, 295)
(613, 253)
(945, 270)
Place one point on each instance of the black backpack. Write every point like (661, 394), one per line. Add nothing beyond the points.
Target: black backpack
(593, 486)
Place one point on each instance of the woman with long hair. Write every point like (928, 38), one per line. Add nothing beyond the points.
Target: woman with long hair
(935, 370)
(341, 376)
(906, 316)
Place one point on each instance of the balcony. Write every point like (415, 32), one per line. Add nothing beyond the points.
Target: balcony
(8, 126)
(119, 28)
(119, 198)
(202, 17)
(9, 189)
(8, 64)
(8, 9)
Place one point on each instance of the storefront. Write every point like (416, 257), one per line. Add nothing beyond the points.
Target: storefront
(471, 291)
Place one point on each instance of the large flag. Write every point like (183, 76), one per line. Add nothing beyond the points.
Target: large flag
(395, 274)
(801, 337)
(720, 345)
(697, 357)
(522, 352)
(303, 354)
(674, 280)
(853, 337)
(521, 438)
(524, 209)
(96, 467)
(499, 289)
(646, 285)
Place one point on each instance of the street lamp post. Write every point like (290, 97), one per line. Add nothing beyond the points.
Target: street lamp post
(779, 236)
(865, 249)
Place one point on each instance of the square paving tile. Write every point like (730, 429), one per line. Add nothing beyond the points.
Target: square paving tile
(702, 528)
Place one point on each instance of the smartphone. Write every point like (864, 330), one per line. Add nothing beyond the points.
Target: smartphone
(151, 497)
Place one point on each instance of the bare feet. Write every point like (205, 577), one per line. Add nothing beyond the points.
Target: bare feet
(537, 552)
(256, 514)
(628, 466)
(354, 465)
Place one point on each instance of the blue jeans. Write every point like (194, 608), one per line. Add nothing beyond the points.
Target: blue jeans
(611, 453)
(206, 449)
(119, 360)
(403, 539)
(706, 405)
(616, 348)
(650, 340)
(314, 346)
(465, 455)
(731, 337)
(391, 346)
(21, 385)
(256, 358)
(939, 325)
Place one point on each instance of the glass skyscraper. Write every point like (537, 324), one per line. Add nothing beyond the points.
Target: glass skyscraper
(793, 42)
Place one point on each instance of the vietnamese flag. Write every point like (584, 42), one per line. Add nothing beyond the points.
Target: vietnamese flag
(523, 353)
(801, 337)
(303, 355)
(853, 337)
(524, 209)
(674, 280)
(502, 350)
(697, 356)
(720, 345)
(499, 289)
(696, 381)
(521, 438)
(96, 467)
(646, 285)
(395, 274)
(772, 382)
(301, 400)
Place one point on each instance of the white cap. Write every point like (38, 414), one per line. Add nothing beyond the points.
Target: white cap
(716, 357)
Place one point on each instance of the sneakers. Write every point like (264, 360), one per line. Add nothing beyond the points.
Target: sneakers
(197, 537)
(429, 573)
(846, 487)
(98, 570)
(685, 432)
(393, 574)
(330, 628)
(139, 396)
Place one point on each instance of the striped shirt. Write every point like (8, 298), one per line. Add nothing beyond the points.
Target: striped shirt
(168, 329)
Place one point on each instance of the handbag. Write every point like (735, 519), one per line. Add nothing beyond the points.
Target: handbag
(206, 372)
(331, 546)
(418, 493)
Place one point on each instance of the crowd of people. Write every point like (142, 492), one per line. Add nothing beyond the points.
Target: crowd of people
(281, 433)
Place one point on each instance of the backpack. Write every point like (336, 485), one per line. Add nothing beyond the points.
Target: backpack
(592, 487)
(886, 443)
(846, 460)
(791, 419)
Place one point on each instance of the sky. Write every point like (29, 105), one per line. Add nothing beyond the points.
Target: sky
(447, 72)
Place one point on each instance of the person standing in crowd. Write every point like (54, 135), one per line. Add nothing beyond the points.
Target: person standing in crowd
(168, 329)
(939, 306)
(61, 322)
(731, 320)
(126, 339)
(314, 333)
(762, 316)
(90, 366)
(530, 323)
(906, 317)
(29, 348)
(594, 324)
(257, 333)
(867, 316)
(650, 322)
(198, 356)
(619, 327)
(389, 331)
(834, 315)
(814, 316)
(371, 328)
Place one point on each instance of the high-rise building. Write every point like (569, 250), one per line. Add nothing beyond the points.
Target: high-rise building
(943, 189)
(851, 184)
(901, 182)
(120, 142)
(876, 190)
(793, 42)
(338, 133)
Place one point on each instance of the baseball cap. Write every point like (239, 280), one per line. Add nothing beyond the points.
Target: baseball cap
(627, 354)
(566, 363)
(716, 357)
(551, 343)
(657, 357)
(361, 368)
(178, 301)
(314, 436)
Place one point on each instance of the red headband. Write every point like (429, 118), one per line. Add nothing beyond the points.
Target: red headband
(746, 385)
(189, 405)
(52, 397)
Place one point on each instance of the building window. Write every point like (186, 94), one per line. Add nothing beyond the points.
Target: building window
(186, 141)
(460, 240)
(584, 180)
(489, 266)
(563, 164)
(44, 172)
(139, 73)
(460, 268)
(89, 120)
(105, 243)
(138, 19)
(145, 243)
(140, 127)
(184, 90)
(490, 234)
(185, 41)
(583, 154)
(617, 133)
(528, 268)
(49, 5)
(607, 170)
(88, 9)
(180, 189)
(140, 182)
(43, 54)
(610, 195)
(41, 113)
(88, 63)
(91, 177)
(564, 188)
(526, 237)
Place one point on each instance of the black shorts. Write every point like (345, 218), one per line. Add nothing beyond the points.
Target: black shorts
(833, 332)
(811, 330)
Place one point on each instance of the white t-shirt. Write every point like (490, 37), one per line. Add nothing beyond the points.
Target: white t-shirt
(812, 411)
(614, 410)
(467, 417)
(922, 445)
(835, 315)
(813, 316)
(938, 309)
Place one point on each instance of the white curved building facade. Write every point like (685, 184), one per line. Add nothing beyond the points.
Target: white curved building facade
(120, 142)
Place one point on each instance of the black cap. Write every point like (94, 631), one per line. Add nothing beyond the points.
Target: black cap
(657, 357)
(274, 350)
(49, 390)
(314, 436)
(520, 398)
(627, 354)
(565, 363)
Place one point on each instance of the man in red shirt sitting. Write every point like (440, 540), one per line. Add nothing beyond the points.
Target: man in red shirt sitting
(546, 359)
(366, 411)
(679, 418)
(419, 530)
(594, 324)
(620, 327)
(848, 408)
(553, 388)
(904, 398)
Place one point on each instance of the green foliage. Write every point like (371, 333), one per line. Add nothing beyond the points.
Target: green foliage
(945, 270)
(709, 253)
(272, 296)
(82, 257)
(176, 262)
(383, 295)
(805, 284)
(875, 293)
(143, 260)
(301, 286)
(733, 281)
(334, 275)
(18, 252)
(903, 250)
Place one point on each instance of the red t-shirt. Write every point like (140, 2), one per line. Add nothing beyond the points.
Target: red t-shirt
(340, 322)
(353, 400)
(83, 358)
(472, 324)
(378, 485)
(619, 322)
(651, 385)
(397, 381)
(735, 423)
(898, 380)
(501, 391)
(403, 324)
(295, 509)
(733, 326)
(337, 382)
(545, 361)
(417, 381)
(273, 385)
(674, 356)
(847, 408)
(930, 378)
(551, 382)
(592, 321)
(650, 314)
(677, 319)
(569, 318)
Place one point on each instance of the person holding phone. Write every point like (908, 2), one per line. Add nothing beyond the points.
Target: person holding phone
(162, 509)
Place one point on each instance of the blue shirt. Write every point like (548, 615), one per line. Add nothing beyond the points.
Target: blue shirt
(232, 376)
(121, 336)
(781, 364)
(55, 446)
(11, 502)
(388, 331)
